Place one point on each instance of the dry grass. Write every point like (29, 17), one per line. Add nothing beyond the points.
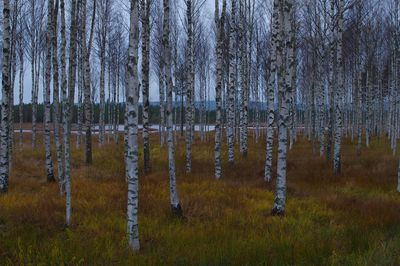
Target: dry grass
(353, 219)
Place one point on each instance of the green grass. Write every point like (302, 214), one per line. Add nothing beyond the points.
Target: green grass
(352, 219)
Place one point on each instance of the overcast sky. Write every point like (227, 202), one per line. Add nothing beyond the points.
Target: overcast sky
(208, 14)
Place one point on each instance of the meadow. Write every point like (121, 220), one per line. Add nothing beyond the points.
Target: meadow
(351, 219)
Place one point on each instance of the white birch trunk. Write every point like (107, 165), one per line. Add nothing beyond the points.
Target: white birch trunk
(231, 89)
(220, 21)
(162, 104)
(5, 110)
(174, 198)
(190, 87)
(275, 43)
(132, 97)
(56, 93)
(286, 68)
(102, 53)
(243, 79)
(67, 96)
(34, 58)
(145, 78)
(340, 89)
(86, 82)
(321, 100)
(331, 84)
(21, 89)
(47, 104)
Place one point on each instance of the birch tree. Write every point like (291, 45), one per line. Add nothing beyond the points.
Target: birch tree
(146, 4)
(132, 97)
(331, 85)
(86, 48)
(243, 42)
(157, 55)
(174, 198)
(34, 26)
(275, 45)
(231, 89)
(16, 7)
(56, 91)
(102, 30)
(21, 56)
(338, 94)
(6, 88)
(190, 85)
(220, 23)
(286, 69)
(68, 96)
(47, 117)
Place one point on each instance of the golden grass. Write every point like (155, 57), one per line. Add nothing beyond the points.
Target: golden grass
(353, 219)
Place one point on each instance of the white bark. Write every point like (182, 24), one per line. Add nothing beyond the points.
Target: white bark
(145, 77)
(104, 11)
(231, 89)
(56, 93)
(67, 96)
(132, 97)
(47, 105)
(321, 118)
(174, 198)
(79, 107)
(338, 96)
(21, 86)
(243, 78)
(86, 48)
(190, 87)
(275, 43)
(13, 69)
(220, 21)
(286, 68)
(64, 95)
(34, 59)
(5, 110)
(162, 104)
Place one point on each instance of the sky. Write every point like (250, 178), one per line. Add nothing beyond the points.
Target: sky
(209, 8)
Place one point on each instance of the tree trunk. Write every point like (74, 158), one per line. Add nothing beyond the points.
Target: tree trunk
(175, 203)
(87, 82)
(231, 89)
(5, 110)
(102, 53)
(243, 78)
(190, 87)
(79, 108)
(321, 101)
(34, 81)
(68, 96)
(47, 104)
(286, 68)
(56, 93)
(21, 89)
(132, 97)
(145, 78)
(220, 22)
(162, 104)
(275, 43)
(340, 89)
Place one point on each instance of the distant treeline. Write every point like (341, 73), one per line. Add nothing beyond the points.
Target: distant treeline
(119, 109)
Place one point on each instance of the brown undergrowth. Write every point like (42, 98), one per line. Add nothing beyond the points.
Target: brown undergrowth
(351, 219)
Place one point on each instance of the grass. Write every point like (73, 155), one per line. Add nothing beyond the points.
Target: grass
(352, 219)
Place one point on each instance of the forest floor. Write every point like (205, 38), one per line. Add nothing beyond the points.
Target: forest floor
(352, 219)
